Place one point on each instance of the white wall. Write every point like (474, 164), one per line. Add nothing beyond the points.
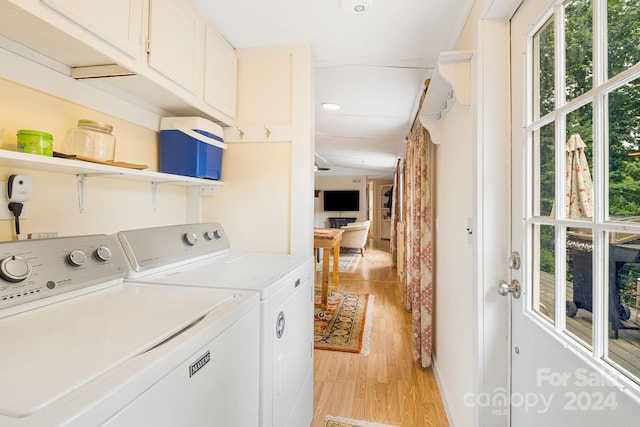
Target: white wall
(267, 202)
(454, 254)
(339, 183)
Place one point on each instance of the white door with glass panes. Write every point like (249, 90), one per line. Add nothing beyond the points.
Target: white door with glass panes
(575, 350)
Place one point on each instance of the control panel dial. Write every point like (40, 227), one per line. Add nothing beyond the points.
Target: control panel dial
(15, 268)
(103, 254)
(218, 234)
(190, 238)
(77, 258)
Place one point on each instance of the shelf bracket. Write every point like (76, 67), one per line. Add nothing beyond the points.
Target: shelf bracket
(82, 186)
(450, 83)
(154, 197)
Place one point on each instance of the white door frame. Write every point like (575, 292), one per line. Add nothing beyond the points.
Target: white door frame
(493, 210)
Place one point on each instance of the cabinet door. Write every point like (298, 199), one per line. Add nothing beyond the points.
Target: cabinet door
(118, 22)
(221, 73)
(175, 47)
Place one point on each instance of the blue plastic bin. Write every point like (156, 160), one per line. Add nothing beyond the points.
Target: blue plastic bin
(191, 146)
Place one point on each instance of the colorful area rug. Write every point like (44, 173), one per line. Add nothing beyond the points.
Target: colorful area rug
(347, 262)
(345, 422)
(346, 324)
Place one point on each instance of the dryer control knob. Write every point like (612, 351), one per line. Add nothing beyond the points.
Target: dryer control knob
(209, 235)
(218, 234)
(15, 269)
(103, 254)
(77, 258)
(190, 238)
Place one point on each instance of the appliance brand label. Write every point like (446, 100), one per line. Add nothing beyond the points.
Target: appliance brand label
(199, 364)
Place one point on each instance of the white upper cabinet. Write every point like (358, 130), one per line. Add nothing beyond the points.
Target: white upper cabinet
(176, 43)
(117, 22)
(159, 54)
(220, 74)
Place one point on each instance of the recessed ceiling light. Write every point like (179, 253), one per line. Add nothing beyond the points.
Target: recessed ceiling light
(359, 8)
(330, 106)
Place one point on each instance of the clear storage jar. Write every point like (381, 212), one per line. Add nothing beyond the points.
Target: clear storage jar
(92, 139)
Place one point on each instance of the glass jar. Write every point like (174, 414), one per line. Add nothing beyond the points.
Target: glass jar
(92, 139)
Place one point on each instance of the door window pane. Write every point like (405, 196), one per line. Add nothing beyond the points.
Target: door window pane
(579, 285)
(623, 21)
(623, 300)
(544, 283)
(544, 71)
(544, 169)
(578, 21)
(578, 183)
(624, 144)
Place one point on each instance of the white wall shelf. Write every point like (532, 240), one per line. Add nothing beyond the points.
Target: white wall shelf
(84, 170)
(450, 83)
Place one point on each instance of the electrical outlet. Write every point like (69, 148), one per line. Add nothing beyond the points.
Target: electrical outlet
(5, 213)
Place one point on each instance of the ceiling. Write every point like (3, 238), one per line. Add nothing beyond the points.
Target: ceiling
(372, 63)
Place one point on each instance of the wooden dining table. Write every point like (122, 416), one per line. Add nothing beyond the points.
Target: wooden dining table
(327, 239)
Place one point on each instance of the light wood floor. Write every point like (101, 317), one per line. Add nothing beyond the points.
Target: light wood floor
(386, 386)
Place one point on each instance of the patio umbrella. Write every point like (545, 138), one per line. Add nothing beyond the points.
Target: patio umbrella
(578, 187)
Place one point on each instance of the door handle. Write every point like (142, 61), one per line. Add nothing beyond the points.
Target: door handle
(505, 288)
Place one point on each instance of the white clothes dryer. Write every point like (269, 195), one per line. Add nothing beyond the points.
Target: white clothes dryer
(199, 255)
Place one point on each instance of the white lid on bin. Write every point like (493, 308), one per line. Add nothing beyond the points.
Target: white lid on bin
(188, 124)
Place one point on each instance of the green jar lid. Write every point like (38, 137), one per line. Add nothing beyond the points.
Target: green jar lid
(34, 132)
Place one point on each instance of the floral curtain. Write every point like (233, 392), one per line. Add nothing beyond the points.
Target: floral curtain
(418, 292)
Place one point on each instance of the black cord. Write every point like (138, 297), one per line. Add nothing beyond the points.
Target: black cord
(16, 208)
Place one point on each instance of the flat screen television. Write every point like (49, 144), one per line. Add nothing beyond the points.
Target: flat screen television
(341, 200)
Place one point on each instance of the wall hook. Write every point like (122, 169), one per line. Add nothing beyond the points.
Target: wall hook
(241, 133)
(267, 132)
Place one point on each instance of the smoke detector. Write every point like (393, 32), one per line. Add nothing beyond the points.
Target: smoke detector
(356, 6)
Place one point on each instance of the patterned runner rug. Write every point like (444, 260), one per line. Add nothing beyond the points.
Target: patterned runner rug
(347, 262)
(346, 325)
(345, 422)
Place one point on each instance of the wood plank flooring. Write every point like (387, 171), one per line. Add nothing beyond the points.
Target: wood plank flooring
(386, 386)
(624, 350)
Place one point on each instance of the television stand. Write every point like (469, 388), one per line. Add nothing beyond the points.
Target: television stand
(337, 222)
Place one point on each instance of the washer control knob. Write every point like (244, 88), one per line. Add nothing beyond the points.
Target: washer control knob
(209, 235)
(15, 269)
(103, 254)
(218, 234)
(77, 258)
(190, 238)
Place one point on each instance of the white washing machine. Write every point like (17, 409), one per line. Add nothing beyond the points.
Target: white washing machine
(199, 255)
(82, 348)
